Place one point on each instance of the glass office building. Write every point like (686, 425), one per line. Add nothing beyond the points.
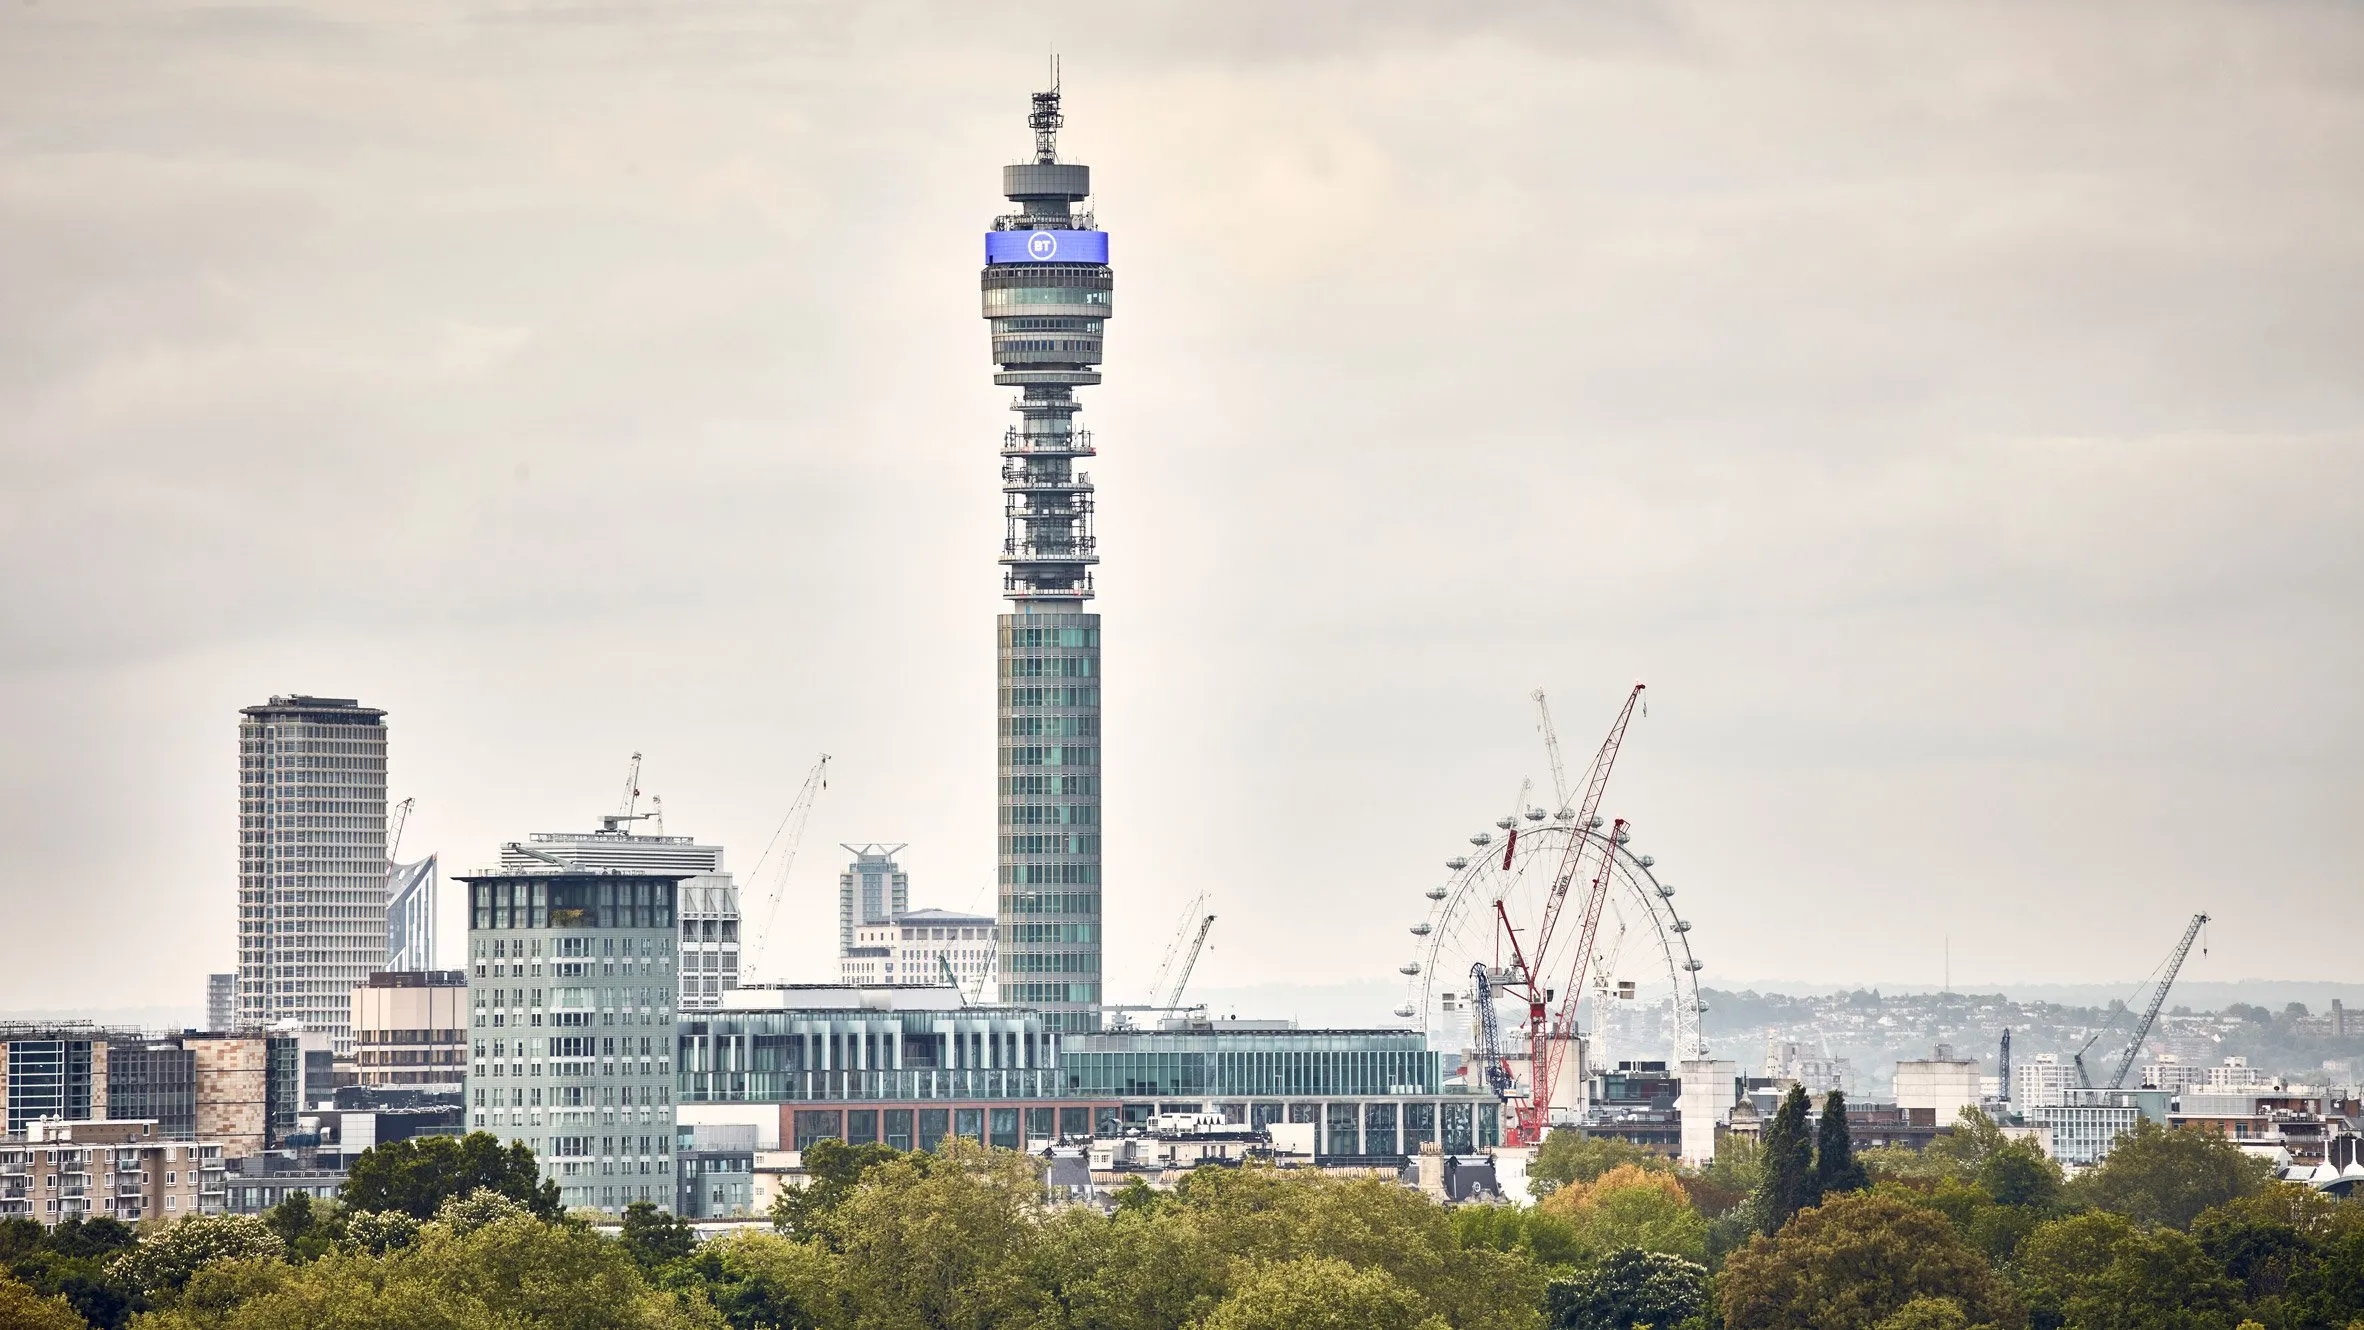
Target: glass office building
(905, 1066)
(1373, 1093)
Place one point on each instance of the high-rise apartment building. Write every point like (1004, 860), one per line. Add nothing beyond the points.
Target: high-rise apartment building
(707, 906)
(221, 1002)
(571, 1025)
(871, 890)
(311, 860)
(1047, 289)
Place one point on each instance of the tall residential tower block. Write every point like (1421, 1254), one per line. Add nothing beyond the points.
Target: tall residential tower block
(311, 860)
(1047, 288)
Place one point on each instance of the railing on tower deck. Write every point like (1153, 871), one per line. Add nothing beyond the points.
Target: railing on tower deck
(1080, 591)
(1015, 444)
(1020, 478)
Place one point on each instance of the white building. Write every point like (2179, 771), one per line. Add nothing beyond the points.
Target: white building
(2237, 1074)
(1819, 1073)
(709, 903)
(2173, 1074)
(2043, 1081)
(917, 948)
(311, 860)
(1942, 1083)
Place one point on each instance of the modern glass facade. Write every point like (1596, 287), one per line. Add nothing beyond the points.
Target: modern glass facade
(54, 1078)
(571, 1020)
(1163, 1064)
(1048, 319)
(1368, 1093)
(856, 1054)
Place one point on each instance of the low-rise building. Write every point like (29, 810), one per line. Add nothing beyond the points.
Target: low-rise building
(1376, 1094)
(123, 1170)
(2089, 1122)
(1942, 1083)
(716, 1171)
(903, 1066)
(238, 1090)
(410, 1027)
(925, 947)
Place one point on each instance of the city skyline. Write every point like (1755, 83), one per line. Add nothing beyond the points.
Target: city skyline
(1975, 493)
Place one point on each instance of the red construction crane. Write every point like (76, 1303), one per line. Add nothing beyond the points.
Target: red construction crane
(1532, 978)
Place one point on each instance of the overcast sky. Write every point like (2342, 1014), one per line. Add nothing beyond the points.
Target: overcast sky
(1953, 414)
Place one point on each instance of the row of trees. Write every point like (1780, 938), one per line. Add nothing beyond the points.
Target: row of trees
(2178, 1230)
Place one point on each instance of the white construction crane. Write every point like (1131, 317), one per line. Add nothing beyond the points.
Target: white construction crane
(628, 808)
(1165, 964)
(1551, 745)
(785, 837)
(394, 827)
(1171, 999)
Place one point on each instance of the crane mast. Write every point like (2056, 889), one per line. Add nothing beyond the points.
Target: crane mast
(1490, 1059)
(1551, 746)
(800, 811)
(1534, 979)
(395, 825)
(2150, 1015)
(1173, 997)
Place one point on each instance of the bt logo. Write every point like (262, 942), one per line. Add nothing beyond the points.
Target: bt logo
(1042, 245)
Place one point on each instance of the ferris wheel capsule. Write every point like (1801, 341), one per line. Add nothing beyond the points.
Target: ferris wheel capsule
(1645, 861)
(1421, 929)
(1482, 838)
(1437, 893)
(1666, 889)
(1534, 815)
(1596, 822)
(1456, 863)
(1409, 967)
(1405, 1011)
(1505, 823)
(1682, 925)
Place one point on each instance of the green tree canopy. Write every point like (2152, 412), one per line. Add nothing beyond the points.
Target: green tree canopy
(1629, 1288)
(1569, 1156)
(1786, 1183)
(1852, 1263)
(22, 1308)
(2102, 1271)
(832, 1169)
(1629, 1207)
(418, 1174)
(2020, 1173)
(1835, 1169)
(759, 1281)
(166, 1261)
(513, 1272)
(1318, 1293)
(654, 1236)
(2162, 1175)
